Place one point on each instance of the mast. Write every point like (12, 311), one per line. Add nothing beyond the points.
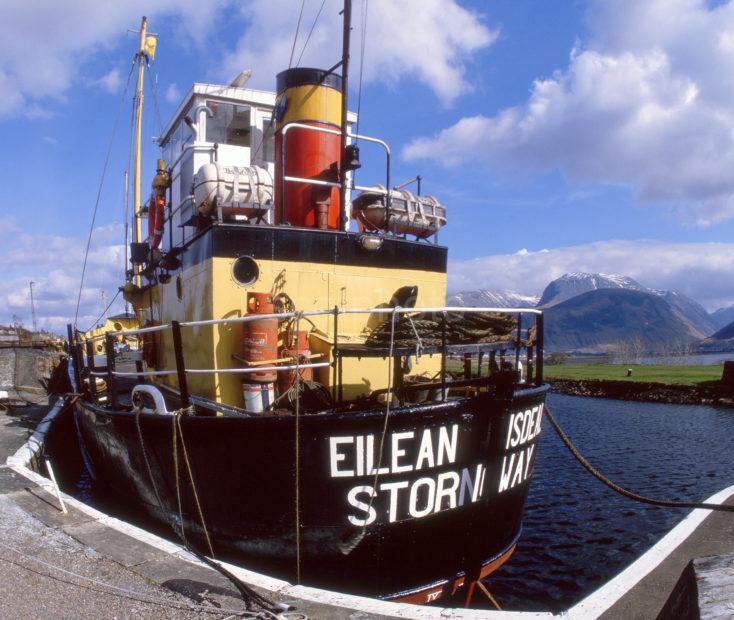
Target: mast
(140, 56)
(345, 96)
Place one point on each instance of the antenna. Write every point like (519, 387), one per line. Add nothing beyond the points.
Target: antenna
(33, 307)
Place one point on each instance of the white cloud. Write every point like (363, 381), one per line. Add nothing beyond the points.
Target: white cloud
(44, 43)
(644, 104)
(54, 264)
(173, 94)
(703, 271)
(110, 81)
(430, 40)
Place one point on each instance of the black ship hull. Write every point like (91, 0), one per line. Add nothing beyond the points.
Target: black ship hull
(446, 503)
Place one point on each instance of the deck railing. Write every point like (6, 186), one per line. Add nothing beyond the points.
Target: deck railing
(80, 347)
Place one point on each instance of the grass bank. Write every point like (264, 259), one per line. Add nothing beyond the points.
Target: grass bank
(670, 375)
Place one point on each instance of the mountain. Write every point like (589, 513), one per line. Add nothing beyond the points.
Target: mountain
(492, 299)
(603, 318)
(722, 340)
(722, 317)
(690, 312)
(571, 284)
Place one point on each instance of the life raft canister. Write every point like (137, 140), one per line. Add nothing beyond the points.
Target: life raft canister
(156, 206)
(260, 337)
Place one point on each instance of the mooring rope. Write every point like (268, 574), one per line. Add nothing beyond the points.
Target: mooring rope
(621, 490)
(388, 399)
(123, 592)
(249, 596)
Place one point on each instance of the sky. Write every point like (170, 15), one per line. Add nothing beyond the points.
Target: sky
(562, 136)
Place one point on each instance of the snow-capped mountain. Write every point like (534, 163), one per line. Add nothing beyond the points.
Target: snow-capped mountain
(569, 285)
(492, 299)
(572, 284)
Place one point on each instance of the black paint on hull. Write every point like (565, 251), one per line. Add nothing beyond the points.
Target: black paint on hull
(244, 470)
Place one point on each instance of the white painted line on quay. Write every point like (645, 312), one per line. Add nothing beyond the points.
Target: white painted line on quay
(22, 458)
(611, 592)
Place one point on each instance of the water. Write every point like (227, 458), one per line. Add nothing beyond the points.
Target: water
(577, 533)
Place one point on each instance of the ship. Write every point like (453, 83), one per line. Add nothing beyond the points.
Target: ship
(302, 402)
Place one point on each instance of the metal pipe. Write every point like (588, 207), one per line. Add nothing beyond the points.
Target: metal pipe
(346, 35)
(230, 371)
(517, 343)
(50, 471)
(539, 349)
(90, 366)
(110, 350)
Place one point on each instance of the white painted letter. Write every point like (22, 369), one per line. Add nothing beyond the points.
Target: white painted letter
(337, 457)
(397, 452)
(369, 510)
(446, 491)
(393, 487)
(431, 490)
(425, 452)
(506, 473)
(446, 445)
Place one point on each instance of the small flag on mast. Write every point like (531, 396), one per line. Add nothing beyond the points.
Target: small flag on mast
(150, 45)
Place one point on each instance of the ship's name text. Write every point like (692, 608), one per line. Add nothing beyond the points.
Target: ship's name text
(356, 456)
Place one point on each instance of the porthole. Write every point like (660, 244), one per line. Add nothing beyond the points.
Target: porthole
(245, 270)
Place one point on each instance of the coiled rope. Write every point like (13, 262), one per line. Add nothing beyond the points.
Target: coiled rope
(621, 490)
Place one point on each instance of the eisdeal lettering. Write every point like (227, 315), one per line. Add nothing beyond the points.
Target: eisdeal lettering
(523, 428)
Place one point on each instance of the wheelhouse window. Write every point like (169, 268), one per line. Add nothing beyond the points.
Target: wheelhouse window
(229, 124)
(268, 147)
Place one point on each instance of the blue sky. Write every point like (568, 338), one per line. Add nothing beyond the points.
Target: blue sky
(562, 136)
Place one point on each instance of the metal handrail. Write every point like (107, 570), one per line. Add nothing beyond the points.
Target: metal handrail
(182, 371)
(292, 179)
(331, 311)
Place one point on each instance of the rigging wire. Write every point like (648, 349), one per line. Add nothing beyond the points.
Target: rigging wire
(310, 32)
(104, 312)
(154, 92)
(363, 43)
(99, 192)
(295, 36)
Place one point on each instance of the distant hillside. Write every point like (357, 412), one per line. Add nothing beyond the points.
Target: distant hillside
(571, 284)
(603, 318)
(722, 340)
(722, 317)
(491, 299)
(690, 312)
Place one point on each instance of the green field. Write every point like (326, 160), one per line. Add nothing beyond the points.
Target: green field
(681, 375)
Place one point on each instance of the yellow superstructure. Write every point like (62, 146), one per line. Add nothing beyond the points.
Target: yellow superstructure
(208, 291)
